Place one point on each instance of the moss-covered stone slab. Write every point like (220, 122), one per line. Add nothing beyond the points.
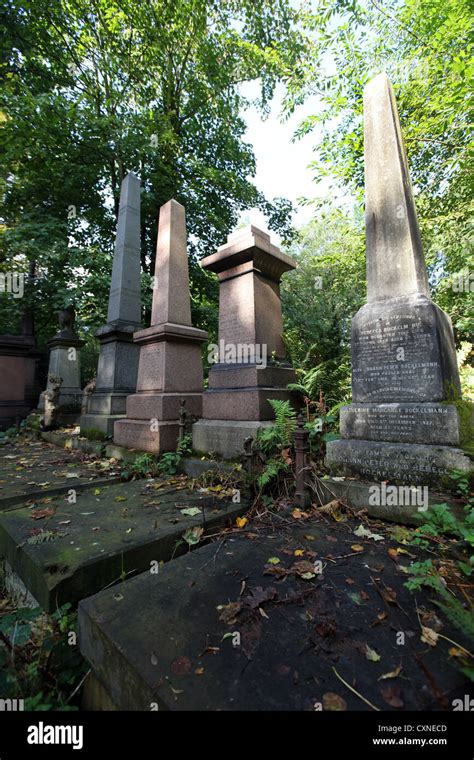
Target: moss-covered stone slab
(247, 625)
(35, 470)
(65, 551)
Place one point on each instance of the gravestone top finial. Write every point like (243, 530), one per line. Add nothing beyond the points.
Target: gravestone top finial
(395, 260)
(246, 245)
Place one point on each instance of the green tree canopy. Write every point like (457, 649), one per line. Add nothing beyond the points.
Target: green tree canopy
(94, 88)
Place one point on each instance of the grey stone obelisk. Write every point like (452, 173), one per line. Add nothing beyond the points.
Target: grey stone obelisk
(400, 426)
(170, 367)
(118, 359)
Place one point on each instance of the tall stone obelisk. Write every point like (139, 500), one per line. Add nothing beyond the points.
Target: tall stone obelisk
(170, 367)
(400, 426)
(118, 358)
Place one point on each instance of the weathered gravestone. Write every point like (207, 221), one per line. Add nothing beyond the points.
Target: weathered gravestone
(15, 369)
(64, 360)
(250, 360)
(19, 358)
(118, 359)
(399, 426)
(170, 364)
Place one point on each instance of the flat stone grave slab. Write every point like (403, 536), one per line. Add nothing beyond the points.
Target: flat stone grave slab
(63, 552)
(32, 470)
(245, 624)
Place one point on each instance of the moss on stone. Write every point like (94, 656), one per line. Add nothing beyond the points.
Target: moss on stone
(465, 410)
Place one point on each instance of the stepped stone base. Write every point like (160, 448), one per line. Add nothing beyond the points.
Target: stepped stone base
(137, 434)
(103, 422)
(241, 404)
(224, 437)
(410, 463)
(402, 422)
(163, 406)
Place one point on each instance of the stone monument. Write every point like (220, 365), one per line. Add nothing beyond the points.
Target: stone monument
(14, 367)
(400, 425)
(64, 360)
(170, 363)
(250, 359)
(118, 358)
(19, 387)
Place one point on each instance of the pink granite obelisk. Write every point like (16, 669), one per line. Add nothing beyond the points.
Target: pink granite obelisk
(170, 364)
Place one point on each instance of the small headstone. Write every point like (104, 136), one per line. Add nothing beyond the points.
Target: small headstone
(249, 364)
(170, 365)
(400, 426)
(64, 361)
(118, 358)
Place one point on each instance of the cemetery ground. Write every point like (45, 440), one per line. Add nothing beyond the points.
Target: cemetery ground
(194, 601)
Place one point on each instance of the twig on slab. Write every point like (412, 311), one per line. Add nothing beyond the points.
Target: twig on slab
(356, 692)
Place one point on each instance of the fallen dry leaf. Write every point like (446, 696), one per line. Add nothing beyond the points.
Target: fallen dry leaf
(229, 612)
(276, 570)
(334, 702)
(389, 595)
(298, 514)
(392, 674)
(357, 548)
(428, 636)
(326, 629)
(181, 666)
(392, 695)
(371, 654)
(38, 514)
(456, 652)
(259, 596)
(304, 568)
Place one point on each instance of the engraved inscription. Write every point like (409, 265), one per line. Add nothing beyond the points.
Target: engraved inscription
(422, 423)
(395, 357)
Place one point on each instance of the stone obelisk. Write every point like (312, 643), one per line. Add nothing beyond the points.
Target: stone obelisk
(118, 358)
(170, 365)
(250, 367)
(400, 425)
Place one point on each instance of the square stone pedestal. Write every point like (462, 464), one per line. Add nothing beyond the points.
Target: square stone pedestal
(64, 361)
(169, 372)
(225, 437)
(15, 373)
(116, 377)
(413, 464)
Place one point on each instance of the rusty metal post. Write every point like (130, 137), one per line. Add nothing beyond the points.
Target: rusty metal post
(302, 496)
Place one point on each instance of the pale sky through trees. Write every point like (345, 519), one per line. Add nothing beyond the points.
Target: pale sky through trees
(282, 165)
